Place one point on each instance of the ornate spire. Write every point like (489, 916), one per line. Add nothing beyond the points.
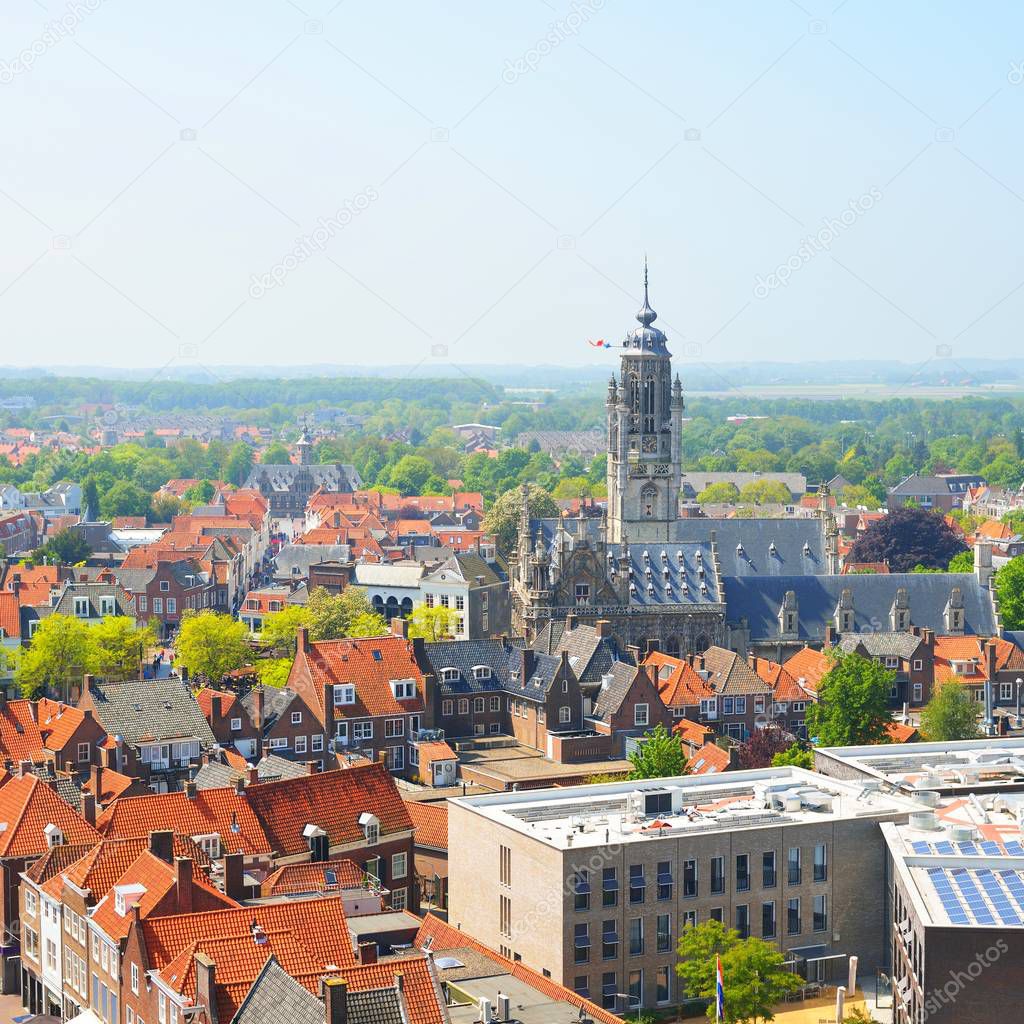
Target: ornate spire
(646, 315)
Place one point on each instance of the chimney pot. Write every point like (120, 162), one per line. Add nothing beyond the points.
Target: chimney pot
(190, 790)
(367, 952)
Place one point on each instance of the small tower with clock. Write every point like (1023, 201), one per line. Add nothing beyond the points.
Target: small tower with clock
(645, 421)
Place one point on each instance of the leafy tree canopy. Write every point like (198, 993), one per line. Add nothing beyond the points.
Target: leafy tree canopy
(950, 715)
(659, 756)
(796, 756)
(1009, 587)
(721, 493)
(907, 537)
(66, 547)
(211, 644)
(432, 623)
(502, 518)
(852, 706)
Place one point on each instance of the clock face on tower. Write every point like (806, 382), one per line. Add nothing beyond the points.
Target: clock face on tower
(649, 443)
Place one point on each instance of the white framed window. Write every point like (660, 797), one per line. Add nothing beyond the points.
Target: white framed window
(135, 978)
(394, 727)
(918, 664)
(641, 714)
(344, 693)
(143, 602)
(1006, 691)
(296, 718)
(300, 744)
(741, 705)
(495, 703)
(158, 606)
(107, 606)
(82, 607)
(398, 901)
(447, 708)
(362, 730)
(403, 689)
(918, 692)
(31, 902)
(463, 706)
(84, 753)
(399, 865)
(279, 743)
(164, 586)
(727, 705)
(172, 605)
(460, 602)
(396, 758)
(236, 724)
(564, 715)
(317, 742)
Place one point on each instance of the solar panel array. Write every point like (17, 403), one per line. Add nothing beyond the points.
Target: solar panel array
(979, 896)
(986, 848)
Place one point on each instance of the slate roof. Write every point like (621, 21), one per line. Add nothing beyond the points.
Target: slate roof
(729, 675)
(614, 689)
(150, 709)
(500, 656)
(376, 1006)
(270, 768)
(759, 600)
(799, 545)
(335, 477)
(276, 996)
(881, 645)
(590, 655)
(93, 592)
(276, 702)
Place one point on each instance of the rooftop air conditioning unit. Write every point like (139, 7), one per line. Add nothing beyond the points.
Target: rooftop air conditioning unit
(923, 821)
(927, 798)
(963, 833)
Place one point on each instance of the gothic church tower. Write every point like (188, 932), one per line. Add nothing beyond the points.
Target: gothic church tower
(645, 421)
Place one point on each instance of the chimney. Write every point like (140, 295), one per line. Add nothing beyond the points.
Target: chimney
(633, 650)
(216, 712)
(336, 1001)
(190, 790)
(96, 780)
(24, 768)
(252, 775)
(990, 659)
(312, 767)
(161, 844)
(382, 757)
(302, 639)
(603, 627)
(183, 884)
(399, 626)
(258, 697)
(89, 808)
(830, 635)
(205, 985)
(234, 876)
(527, 661)
(240, 786)
(570, 622)
(651, 645)
(367, 952)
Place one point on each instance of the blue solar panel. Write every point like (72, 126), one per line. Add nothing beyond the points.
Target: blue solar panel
(991, 849)
(920, 847)
(975, 901)
(1014, 849)
(997, 894)
(968, 849)
(950, 901)
(944, 848)
(1011, 879)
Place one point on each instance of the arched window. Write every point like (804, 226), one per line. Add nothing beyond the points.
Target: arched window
(648, 424)
(378, 602)
(648, 502)
(672, 646)
(406, 607)
(702, 644)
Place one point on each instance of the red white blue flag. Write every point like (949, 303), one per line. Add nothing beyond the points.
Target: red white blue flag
(719, 991)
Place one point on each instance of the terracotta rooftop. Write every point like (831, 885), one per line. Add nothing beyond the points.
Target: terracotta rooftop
(710, 759)
(28, 806)
(20, 736)
(431, 823)
(308, 878)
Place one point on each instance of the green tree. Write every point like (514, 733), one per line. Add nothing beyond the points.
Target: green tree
(280, 628)
(164, 508)
(210, 644)
(90, 498)
(964, 562)
(852, 706)
(349, 613)
(410, 474)
(432, 623)
(795, 756)
(275, 454)
(238, 464)
(660, 755)
(66, 547)
(754, 972)
(60, 652)
(368, 624)
(766, 492)
(1009, 586)
(274, 671)
(951, 714)
(721, 493)
(120, 646)
(125, 499)
(502, 518)
(199, 493)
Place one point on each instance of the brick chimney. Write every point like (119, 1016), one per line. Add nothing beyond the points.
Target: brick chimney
(570, 622)
(89, 808)
(399, 626)
(190, 790)
(96, 780)
(216, 712)
(527, 661)
(205, 985)
(302, 639)
(367, 952)
(990, 659)
(336, 1001)
(183, 884)
(161, 844)
(258, 699)
(234, 876)
(603, 627)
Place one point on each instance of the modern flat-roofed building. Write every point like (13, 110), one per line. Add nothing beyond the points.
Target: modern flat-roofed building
(950, 769)
(593, 884)
(957, 924)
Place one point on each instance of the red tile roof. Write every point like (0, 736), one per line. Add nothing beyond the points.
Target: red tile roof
(10, 615)
(58, 722)
(228, 701)
(371, 664)
(809, 665)
(159, 897)
(897, 733)
(679, 683)
(446, 937)
(784, 686)
(306, 938)
(20, 737)
(306, 878)
(431, 823)
(420, 989)
(27, 807)
(692, 732)
(112, 785)
(224, 811)
(434, 750)
(709, 760)
(332, 800)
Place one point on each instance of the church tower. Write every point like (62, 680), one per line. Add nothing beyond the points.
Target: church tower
(645, 421)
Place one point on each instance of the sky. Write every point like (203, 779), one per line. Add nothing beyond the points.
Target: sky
(294, 182)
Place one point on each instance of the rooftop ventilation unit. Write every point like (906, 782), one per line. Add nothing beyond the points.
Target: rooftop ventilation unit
(923, 821)
(963, 833)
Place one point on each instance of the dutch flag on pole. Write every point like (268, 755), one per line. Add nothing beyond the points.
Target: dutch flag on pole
(719, 991)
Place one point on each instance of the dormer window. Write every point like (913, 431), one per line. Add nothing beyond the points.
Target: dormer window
(449, 675)
(54, 836)
(403, 689)
(370, 825)
(481, 671)
(344, 693)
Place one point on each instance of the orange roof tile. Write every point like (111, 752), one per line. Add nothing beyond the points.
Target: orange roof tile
(112, 785)
(899, 733)
(444, 937)
(808, 665)
(709, 760)
(431, 823)
(332, 800)
(223, 811)
(27, 806)
(204, 698)
(20, 737)
(679, 683)
(306, 878)
(692, 732)
(371, 664)
(784, 686)
(10, 615)
(434, 750)
(420, 989)
(58, 722)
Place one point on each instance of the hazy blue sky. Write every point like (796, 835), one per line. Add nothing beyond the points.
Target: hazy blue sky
(493, 192)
